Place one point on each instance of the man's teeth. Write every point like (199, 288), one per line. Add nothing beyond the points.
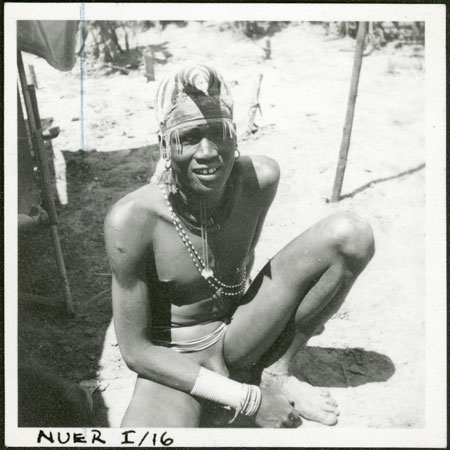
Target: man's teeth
(207, 171)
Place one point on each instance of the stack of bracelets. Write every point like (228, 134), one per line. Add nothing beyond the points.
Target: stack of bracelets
(244, 398)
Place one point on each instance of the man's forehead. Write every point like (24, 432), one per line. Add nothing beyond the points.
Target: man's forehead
(210, 123)
(192, 93)
(200, 127)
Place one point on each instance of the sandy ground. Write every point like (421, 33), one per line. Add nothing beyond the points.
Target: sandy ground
(371, 354)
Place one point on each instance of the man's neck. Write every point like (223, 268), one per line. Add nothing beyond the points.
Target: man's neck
(194, 201)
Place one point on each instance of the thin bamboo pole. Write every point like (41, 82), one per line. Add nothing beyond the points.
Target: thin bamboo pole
(149, 59)
(35, 128)
(343, 153)
(254, 106)
(33, 75)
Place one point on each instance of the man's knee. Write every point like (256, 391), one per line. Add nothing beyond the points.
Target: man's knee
(352, 236)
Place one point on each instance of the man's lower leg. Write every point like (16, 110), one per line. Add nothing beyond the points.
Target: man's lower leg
(320, 303)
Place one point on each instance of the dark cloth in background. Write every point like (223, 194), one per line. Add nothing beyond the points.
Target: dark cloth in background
(53, 40)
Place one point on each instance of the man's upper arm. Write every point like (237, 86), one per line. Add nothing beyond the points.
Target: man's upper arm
(127, 238)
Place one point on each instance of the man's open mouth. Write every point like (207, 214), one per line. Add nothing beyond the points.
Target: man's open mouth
(207, 171)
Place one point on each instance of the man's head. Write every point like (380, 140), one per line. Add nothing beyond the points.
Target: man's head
(194, 109)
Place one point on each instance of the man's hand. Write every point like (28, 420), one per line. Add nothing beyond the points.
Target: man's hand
(276, 411)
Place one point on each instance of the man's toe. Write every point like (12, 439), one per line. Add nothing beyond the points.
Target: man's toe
(330, 419)
(331, 409)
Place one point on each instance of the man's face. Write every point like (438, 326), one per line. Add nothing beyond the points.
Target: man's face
(207, 157)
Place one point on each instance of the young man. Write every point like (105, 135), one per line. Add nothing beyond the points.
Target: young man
(181, 252)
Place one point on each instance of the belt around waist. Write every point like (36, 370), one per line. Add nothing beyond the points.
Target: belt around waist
(197, 344)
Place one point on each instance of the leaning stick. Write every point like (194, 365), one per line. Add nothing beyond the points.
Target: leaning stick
(254, 106)
(149, 65)
(36, 131)
(342, 162)
(33, 75)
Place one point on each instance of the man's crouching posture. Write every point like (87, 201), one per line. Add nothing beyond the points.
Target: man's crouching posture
(185, 313)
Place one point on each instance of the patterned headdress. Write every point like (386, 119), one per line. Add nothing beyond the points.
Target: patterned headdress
(194, 95)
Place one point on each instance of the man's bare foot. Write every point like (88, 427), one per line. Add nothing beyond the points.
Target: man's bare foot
(312, 403)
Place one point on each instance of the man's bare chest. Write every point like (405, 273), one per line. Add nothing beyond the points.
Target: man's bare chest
(180, 254)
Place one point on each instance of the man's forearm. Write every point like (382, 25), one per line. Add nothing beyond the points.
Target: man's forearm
(172, 369)
(163, 366)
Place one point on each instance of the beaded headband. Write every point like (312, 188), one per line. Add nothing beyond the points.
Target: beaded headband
(194, 95)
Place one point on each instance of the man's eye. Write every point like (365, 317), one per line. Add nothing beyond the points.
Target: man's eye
(190, 138)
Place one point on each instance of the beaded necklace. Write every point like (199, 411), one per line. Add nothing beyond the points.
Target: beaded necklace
(202, 263)
(179, 203)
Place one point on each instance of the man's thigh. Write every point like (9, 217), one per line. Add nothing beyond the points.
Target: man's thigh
(275, 294)
(155, 405)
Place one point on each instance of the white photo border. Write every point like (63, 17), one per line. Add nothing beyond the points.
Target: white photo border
(434, 432)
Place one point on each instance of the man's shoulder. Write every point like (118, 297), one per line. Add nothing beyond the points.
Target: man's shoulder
(260, 174)
(267, 170)
(136, 210)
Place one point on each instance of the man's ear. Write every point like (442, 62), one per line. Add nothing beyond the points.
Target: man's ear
(162, 143)
(164, 147)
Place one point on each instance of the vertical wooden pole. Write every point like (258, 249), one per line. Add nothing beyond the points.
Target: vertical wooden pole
(254, 105)
(33, 75)
(36, 132)
(42, 159)
(149, 65)
(267, 49)
(342, 162)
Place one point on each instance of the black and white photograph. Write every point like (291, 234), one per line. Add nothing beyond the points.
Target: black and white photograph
(225, 225)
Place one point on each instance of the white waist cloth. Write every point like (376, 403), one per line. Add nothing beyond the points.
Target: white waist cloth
(197, 344)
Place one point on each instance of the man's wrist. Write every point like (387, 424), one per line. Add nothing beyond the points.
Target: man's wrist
(244, 398)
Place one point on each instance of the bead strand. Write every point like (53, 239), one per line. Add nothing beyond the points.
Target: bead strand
(177, 223)
(212, 280)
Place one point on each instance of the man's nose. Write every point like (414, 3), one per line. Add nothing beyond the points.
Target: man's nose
(207, 149)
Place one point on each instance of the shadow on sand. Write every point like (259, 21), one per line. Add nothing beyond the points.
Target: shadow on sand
(321, 367)
(56, 352)
(336, 367)
(380, 180)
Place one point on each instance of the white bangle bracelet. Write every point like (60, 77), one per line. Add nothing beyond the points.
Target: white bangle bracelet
(244, 398)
